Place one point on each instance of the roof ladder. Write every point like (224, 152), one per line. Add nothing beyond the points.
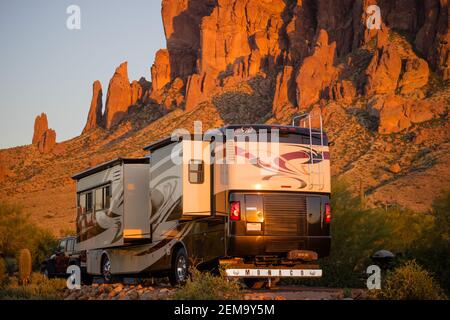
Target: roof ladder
(316, 176)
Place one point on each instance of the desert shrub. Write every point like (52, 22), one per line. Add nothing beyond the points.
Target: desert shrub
(358, 232)
(3, 274)
(43, 245)
(10, 265)
(39, 288)
(206, 286)
(409, 282)
(17, 232)
(432, 250)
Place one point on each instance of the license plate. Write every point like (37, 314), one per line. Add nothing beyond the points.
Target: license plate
(297, 273)
(253, 226)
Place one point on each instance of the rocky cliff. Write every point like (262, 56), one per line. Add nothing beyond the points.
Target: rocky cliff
(316, 50)
(43, 137)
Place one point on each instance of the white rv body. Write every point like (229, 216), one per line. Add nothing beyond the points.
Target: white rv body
(179, 199)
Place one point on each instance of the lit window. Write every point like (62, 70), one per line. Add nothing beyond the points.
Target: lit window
(196, 171)
(99, 199)
(82, 203)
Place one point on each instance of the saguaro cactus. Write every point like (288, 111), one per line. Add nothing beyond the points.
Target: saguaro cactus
(24, 266)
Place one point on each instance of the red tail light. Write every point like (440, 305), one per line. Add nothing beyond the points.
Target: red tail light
(235, 211)
(327, 213)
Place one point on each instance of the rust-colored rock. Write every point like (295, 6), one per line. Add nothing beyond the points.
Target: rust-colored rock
(136, 92)
(47, 142)
(284, 92)
(44, 138)
(395, 168)
(383, 71)
(160, 70)
(393, 117)
(317, 72)
(433, 38)
(95, 111)
(415, 75)
(397, 113)
(344, 91)
(40, 126)
(119, 97)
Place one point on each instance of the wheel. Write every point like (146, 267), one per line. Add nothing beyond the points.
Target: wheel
(179, 272)
(106, 270)
(46, 274)
(254, 283)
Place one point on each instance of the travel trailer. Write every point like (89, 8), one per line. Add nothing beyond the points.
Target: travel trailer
(253, 198)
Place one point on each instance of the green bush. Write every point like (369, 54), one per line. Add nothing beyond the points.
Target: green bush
(39, 288)
(409, 282)
(432, 250)
(17, 232)
(206, 286)
(358, 232)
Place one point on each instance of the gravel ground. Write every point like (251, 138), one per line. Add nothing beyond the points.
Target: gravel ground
(125, 291)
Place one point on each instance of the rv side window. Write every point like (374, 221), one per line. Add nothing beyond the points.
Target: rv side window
(82, 203)
(62, 246)
(106, 197)
(89, 202)
(99, 199)
(196, 172)
(70, 245)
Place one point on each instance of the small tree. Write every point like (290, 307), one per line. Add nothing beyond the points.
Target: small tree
(409, 282)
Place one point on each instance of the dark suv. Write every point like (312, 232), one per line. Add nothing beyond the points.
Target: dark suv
(63, 256)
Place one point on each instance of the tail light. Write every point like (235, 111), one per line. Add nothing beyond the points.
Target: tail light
(235, 211)
(327, 213)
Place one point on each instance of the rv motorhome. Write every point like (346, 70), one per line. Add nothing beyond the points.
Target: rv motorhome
(262, 210)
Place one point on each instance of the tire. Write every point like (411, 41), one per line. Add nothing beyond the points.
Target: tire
(106, 270)
(254, 283)
(180, 268)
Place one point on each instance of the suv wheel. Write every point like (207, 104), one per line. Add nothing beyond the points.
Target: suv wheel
(106, 270)
(180, 267)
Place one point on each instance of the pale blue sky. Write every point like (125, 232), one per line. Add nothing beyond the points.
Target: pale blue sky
(45, 67)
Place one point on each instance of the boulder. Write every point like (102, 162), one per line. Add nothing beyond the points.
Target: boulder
(383, 71)
(415, 75)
